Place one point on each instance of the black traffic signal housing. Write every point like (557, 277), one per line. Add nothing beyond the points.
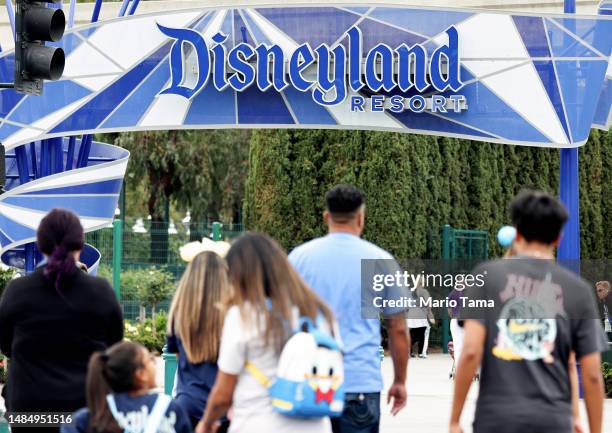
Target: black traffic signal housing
(35, 24)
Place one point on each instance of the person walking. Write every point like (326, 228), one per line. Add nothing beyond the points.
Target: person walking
(269, 297)
(418, 321)
(195, 321)
(331, 265)
(53, 320)
(604, 303)
(542, 313)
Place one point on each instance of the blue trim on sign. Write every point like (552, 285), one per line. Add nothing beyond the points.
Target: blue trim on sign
(4, 240)
(424, 22)
(255, 106)
(97, 109)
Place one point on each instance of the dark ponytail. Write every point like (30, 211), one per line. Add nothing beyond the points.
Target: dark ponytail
(59, 235)
(109, 372)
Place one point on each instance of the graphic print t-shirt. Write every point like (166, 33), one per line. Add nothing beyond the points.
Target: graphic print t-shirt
(542, 312)
(134, 412)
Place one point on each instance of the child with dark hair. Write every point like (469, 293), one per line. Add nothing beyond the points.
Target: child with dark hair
(119, 397)
(52, 320)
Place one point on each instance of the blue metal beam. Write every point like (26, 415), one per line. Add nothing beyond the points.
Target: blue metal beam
(569, 193)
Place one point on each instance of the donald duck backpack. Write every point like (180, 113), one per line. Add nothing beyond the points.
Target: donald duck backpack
(310, 375)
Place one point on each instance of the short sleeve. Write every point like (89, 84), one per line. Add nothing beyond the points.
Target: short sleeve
(232, 353)
(587, 337)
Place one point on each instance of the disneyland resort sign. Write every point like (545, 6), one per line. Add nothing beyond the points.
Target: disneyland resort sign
(332, 74)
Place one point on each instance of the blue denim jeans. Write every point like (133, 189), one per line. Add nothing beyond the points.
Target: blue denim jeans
(361, 414)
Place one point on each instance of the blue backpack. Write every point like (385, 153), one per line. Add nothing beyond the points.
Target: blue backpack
(310, 375)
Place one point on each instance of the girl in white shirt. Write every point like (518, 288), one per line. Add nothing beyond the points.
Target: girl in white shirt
(269, 297)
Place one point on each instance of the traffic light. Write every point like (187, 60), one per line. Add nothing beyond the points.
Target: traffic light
(35, 24)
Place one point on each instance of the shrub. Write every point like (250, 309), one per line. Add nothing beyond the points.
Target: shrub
(6, 275)
(3, 369)
(142, 332)
(607, 374)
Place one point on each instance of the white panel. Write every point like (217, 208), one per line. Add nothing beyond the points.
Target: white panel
(86, 60)
(214, 26)
(120, 40)
(167, 110)
(96, 83)
(494, 36)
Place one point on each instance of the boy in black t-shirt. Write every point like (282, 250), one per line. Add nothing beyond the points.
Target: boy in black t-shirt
(542, 313)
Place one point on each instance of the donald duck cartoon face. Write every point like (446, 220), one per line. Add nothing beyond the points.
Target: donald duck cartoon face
(326, 374)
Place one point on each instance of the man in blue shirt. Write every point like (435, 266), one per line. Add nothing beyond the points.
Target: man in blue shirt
(331, 265)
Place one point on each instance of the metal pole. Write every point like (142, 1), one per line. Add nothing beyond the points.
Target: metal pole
(117, 246)
(569, 248)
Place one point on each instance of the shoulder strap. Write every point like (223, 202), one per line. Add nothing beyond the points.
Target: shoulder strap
(257, 374)
(110, 399)
(157, 413)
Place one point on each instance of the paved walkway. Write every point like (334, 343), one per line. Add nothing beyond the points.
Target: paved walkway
(429, 398)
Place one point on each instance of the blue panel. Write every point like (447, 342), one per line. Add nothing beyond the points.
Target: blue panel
(98, 206)
(211, 107)
(16, 231)
(58, 94)
(424, 22)
(7, 129)
(228, 29)
(7, 68)
(428, 122)
(498, 119)
(255, 106)
(259, 36)
(546, 70)
(315, 25)
(306, 110)
(103, 187)
(533, 34)
(4, 240)
(586, 30)
(602, 111)
(91, 114)
(579, 99)
(132, 109)
(375, 33)
(8, 99)
(564, 45)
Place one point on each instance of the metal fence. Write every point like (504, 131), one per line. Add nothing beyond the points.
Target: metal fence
(145, 244)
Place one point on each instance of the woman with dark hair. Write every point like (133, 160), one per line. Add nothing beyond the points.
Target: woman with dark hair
(53, 320)
(269, 296)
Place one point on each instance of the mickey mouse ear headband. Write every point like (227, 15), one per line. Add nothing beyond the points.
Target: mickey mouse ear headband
(192, 249)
